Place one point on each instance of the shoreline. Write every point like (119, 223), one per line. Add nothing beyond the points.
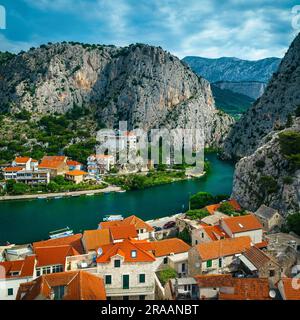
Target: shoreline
(45, 196)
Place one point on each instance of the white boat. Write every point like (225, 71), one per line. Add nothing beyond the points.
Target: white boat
(121, 191)
(42, 198)
(113, 217)
(90, 194)
(57, 197)
(61, 233)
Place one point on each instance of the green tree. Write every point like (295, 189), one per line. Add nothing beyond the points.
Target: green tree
(226, 208)
(185, 236)
(166, 275)
(293, 223)
(201, 199)
(20, 188)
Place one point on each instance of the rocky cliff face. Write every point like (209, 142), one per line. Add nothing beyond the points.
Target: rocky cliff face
(271, 111)
(233, 69)
(144, 85)
(266, 177)
(252, 89)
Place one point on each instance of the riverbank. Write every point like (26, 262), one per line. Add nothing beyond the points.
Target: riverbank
(61, 194)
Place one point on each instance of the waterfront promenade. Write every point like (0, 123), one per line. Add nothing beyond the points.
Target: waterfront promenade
(61, 194)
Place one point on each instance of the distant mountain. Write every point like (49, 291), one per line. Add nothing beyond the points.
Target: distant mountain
(232, 103)
(242, 76)
(252, 89)
(233, 69)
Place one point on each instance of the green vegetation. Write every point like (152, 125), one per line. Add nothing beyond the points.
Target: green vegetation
(58, 184)
(226, 208)
(293, 223)
(197, 214)
(185, 236)
(231, 102)
(167, 274)
(268, 185)
(5, 57)
(69, 134)
(202, 199)
(290, 147)
(139, 181)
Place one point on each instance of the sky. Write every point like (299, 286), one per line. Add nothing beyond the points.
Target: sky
(244, 29)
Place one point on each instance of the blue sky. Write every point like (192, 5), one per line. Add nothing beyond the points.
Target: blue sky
(211, 28)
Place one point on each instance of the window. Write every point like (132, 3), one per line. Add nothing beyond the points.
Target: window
(133, 254)
(38, 272)
(183, 267)
(108, 279)
(59, 292)
(165, 260)
(272, 273)
(125, 298)
(117, 263)
(142, 297)
(57, 269)
(202, 235)
(142, 278)
(10, 292)
(209, 263)
(220, 263)
(47, 270)
(196, 241)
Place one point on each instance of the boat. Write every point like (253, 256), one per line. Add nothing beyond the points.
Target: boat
(113, 217)
(61, 233)
(59, 197)
(121, 191)
(90, 194)
(42, 198)
(75, 195)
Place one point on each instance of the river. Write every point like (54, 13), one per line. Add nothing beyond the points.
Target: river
(32, 220)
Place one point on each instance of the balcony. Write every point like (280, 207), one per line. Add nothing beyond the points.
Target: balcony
(131, 291)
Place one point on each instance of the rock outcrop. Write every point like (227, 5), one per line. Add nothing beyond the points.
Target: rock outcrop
(266, 177)
(144, 85)
(272, 110)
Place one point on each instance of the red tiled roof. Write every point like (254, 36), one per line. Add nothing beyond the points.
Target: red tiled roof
(235, 288)
(132, 220)
(291, 288)
(80, 285)
(215, 232)
(242, 223)
(94, 239)
(74, 241)
(24, 267)
(223, 248)
(73, 163)
(125, 249)
(214, 207)
(22, 159)
(168, 246)
(13, 169)
(262, 244)
(48, 256)
(123, 232)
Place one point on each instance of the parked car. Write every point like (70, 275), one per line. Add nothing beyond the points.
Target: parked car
(239, 274)
(170, 224)
(157, 228)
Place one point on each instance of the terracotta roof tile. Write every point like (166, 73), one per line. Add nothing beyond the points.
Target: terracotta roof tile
(214, 207)
(47, 256)
(168, 246)
(74, 241)
(80, 285)
(125, 249)
(94, 239)
(291, 290)
(24, 267)
(73, 163)
(123, 232)
(223, 248)
(13, 169)
(242, 223)
(215, 232)
(257, 257)
(22, 159)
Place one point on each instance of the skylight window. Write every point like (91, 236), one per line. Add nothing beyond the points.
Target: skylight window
(133, 254)
(241, 226)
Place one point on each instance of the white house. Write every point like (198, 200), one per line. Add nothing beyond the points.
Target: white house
(99, 164)
(128, 270)
(13, 273)
(242, 226)
(216, 256)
